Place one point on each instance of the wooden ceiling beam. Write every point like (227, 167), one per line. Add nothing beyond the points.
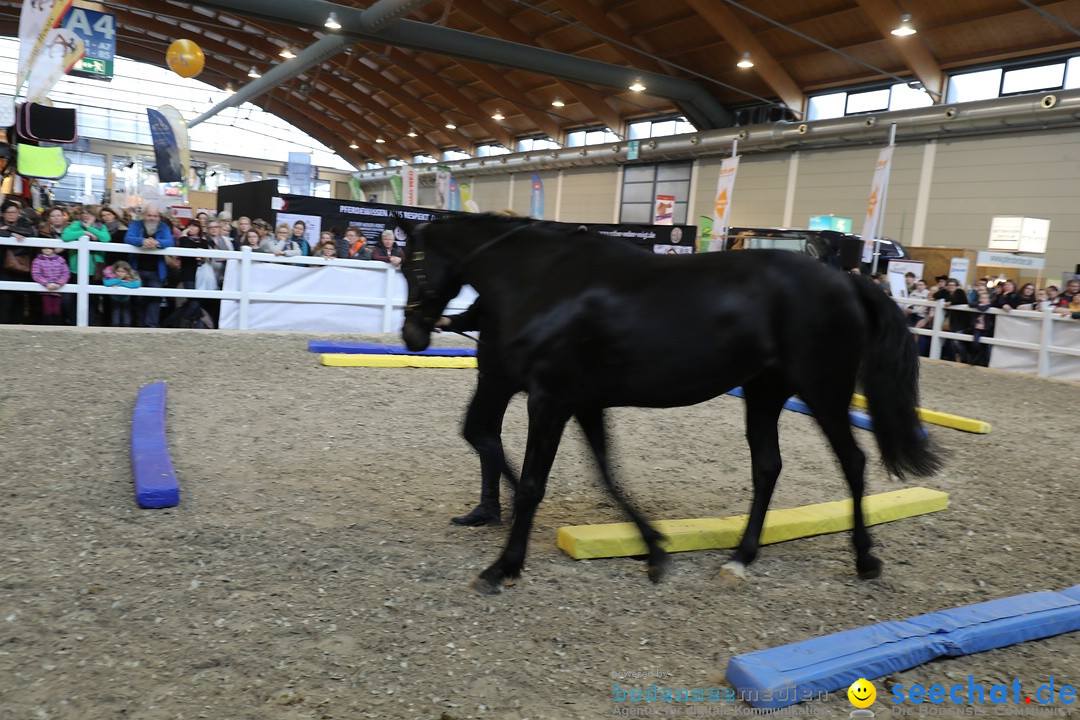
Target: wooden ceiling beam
(913, 51)
(484, 14)
(721, 19)
(455, 97)
(602, 23)
(511, 94)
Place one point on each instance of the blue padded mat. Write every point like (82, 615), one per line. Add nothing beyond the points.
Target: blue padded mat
(362, 348)
(781, 676)
(858, 419)
(155, 480)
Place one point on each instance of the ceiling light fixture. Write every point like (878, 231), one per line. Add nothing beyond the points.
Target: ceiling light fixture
(498, 116)
(636, 86)
(287, 52)
(904, 28)
(411, 133)
(745, 61)
(253, 73)
(229, 89)
(332, 22)
(379, 140)
(354, 146)
(450, 126)
(557, 103)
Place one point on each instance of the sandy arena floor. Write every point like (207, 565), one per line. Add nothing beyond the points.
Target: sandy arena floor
(311, 572)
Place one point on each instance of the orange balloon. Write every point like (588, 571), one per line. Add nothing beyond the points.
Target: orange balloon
(185, 58)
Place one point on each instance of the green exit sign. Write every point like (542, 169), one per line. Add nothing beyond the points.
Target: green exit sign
(94, 68)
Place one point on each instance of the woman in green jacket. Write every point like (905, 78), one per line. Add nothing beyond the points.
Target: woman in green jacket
(87, 224)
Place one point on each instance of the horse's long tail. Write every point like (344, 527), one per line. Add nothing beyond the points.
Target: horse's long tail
(890, 375)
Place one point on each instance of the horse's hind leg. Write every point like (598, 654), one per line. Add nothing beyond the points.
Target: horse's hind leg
(831, 414)
(592, 424)
(547, 419)
(765, 398)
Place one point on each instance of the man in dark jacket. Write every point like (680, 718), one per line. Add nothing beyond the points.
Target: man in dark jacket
(959, 320)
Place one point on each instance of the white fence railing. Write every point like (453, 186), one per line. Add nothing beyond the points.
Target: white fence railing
(1048, 322)
(389, 302)
(1050, 325)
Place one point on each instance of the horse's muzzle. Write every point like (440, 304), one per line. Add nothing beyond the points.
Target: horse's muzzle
(416, 332)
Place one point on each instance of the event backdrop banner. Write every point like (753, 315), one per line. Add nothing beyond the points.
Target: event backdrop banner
(339, 215)
(373, 218)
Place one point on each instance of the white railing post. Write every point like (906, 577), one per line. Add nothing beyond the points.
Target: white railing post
(82, 280)
(937, 326)
(388, 300)
(1046, 338)
(244, 322)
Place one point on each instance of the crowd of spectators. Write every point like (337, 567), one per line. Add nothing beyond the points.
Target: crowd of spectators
(977, 320)
(151, 230)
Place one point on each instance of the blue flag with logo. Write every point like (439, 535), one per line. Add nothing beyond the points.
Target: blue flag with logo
(536, 206)
(166, 150)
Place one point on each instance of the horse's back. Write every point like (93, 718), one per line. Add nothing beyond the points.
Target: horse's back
(626, 322)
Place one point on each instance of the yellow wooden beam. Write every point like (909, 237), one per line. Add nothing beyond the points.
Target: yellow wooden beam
(622, 539)
(939, 418)
(396, 361)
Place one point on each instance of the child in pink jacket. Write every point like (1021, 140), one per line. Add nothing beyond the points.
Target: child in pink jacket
(50, 270)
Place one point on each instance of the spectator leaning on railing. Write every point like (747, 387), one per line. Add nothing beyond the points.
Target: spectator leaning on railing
(149, 233)
(88, 225)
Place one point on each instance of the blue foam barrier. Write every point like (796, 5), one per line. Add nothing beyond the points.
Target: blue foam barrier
(155, 479)
(782, 676)
(855, 417)
(858, 419)
(363, 348)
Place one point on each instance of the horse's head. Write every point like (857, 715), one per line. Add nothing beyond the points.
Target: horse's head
(433, 280)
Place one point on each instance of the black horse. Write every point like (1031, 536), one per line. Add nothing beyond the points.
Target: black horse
(589, 323)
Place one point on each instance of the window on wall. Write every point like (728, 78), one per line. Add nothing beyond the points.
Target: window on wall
(85, 179)
(968, 87)
(641, 185)
(424, 159)
(1031, 79)
(455, 154)
(323, 188)
(592, 136)
(661, 127)
(536, 143)
(490, 150)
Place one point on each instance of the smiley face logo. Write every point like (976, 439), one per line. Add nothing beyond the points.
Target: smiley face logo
(862, 693)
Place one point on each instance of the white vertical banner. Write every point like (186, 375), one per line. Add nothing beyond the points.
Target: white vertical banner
(410, 187)
(875, 206)
(725, 187)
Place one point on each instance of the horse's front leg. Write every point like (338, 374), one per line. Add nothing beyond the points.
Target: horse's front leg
(547, 419)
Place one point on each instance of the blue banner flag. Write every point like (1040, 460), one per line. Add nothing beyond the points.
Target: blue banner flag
(536, 205)
(166, 150)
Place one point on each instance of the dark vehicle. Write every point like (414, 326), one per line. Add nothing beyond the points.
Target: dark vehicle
(842, 250)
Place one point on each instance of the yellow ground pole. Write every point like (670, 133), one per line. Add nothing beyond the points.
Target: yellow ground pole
(622, 539)
(939, 418)
(396, 361)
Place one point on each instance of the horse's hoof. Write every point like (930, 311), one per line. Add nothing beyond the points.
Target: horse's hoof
(657, 571)
(486, 587)
(869, 569)
(732, 572)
